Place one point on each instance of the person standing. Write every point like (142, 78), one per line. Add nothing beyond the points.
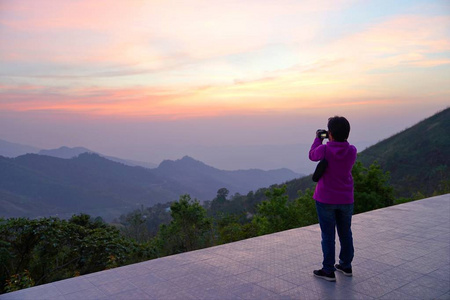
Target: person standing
(334, 196)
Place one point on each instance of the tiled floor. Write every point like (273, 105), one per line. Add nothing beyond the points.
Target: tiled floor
(401, 252)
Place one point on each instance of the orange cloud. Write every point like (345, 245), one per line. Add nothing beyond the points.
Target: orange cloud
(154, 58)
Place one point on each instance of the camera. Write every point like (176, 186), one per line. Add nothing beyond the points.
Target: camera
(322, 133)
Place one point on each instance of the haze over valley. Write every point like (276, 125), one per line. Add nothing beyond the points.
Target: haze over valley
(235, 88)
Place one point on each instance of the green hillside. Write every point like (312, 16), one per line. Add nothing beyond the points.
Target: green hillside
(417, 158)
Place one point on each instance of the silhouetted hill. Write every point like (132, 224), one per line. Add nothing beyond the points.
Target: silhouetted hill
(38, 185)
(43, 185)
(67, 152)
(418, 158)
(199, 176)
(9, 149)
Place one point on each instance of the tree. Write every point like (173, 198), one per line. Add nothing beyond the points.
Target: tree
(232, 228)
(48, 249)
(143, 224)
(222, 194)
(372, 189)
(220, 207)
(306, 205)
(190, 228)
(217, 206)
(276, 213)
(136, 226)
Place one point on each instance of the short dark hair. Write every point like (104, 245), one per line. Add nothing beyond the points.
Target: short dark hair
(339, 128)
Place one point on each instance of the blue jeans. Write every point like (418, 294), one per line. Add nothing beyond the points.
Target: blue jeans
(337, 216)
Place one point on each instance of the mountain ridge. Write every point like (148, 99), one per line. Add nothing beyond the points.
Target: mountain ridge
(9, 149)
(418, 158)
(68, 152)
(90, 182)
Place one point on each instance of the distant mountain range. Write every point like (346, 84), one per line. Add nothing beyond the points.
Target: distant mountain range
(35, 185)
(66, 152)
(65, 181)
(9, 149)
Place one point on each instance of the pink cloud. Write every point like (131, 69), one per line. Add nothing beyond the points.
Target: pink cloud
(95, 57)
(147, 31)
(400, 40)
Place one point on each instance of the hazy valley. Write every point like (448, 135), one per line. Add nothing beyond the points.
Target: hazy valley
(67, 181)
(76, 180)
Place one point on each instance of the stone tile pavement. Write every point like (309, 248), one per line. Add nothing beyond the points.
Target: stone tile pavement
(401, 252)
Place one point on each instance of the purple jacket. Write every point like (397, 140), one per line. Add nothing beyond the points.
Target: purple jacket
(336, 184)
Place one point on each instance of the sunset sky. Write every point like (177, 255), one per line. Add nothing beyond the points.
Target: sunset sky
(149, 80)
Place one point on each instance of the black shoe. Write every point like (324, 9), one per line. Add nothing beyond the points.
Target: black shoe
(324, 275)
(346, 271)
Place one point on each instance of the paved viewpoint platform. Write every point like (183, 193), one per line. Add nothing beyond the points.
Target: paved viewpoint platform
(401, 252)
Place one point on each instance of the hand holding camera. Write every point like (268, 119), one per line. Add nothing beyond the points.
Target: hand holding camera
(322, 134)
